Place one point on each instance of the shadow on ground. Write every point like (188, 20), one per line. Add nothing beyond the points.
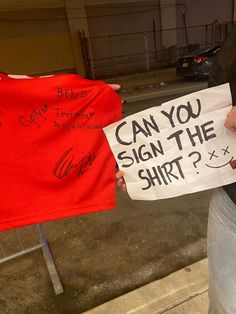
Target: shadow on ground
(104, 255)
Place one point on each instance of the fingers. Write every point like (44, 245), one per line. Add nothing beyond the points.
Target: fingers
(120, 181)
(229, 127)
(230, 121)
(233, 164)
(119, 174)
(124, 188)
(115, 87)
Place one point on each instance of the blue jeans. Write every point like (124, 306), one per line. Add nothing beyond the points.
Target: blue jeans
(222, 254)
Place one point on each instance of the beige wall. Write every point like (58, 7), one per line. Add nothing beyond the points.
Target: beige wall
(234, 10)
(23, 4)
(101, 2)
(38, 40)
(77, 15)
(168, 21)
(121, 34)
(77, 22)
(36, 55)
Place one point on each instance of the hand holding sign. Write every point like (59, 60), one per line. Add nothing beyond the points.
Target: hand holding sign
(230, 122)
(177, 148)
(121, 181)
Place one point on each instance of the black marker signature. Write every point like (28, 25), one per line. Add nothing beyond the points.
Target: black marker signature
(66, 163)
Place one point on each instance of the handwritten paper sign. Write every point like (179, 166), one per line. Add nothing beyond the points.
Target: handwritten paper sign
(178, 148)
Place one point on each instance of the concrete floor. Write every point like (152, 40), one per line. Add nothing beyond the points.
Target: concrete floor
(182, 292)
(104, 255)
(197, 305)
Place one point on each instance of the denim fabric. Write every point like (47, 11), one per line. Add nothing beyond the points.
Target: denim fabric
(222, 254)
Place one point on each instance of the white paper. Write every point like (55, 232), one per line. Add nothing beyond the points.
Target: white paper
(178, 148)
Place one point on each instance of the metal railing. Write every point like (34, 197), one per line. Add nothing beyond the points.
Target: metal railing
(21, 247)
(142, 51)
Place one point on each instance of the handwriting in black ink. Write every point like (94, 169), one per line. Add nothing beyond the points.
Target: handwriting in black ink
(70, 93)
(34, 117)
(66, 164)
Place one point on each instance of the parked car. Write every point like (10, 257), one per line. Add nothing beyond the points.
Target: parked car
(197, 64)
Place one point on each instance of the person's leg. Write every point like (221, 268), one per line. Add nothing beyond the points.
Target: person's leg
(222, 254)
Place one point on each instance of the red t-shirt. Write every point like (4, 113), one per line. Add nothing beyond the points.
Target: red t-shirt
(55, 160)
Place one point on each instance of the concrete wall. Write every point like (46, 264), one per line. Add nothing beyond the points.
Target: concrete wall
(36, 54)
(203, 12)
(114, 50)
(39, 40)
(199, 13)
(121, 34)
(21, 23)
(168, 22)
(30, 4)
(113, 2)
(234, 9)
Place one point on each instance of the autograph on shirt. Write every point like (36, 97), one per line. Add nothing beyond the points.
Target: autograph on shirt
(66, 163)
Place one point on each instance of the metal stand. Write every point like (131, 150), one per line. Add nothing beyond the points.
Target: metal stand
(47, 256)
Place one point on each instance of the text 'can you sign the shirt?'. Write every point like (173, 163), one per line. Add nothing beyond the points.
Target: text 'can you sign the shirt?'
(178, 148)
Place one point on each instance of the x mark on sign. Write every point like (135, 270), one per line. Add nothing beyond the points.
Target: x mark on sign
(225, 150)
(213, 155)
